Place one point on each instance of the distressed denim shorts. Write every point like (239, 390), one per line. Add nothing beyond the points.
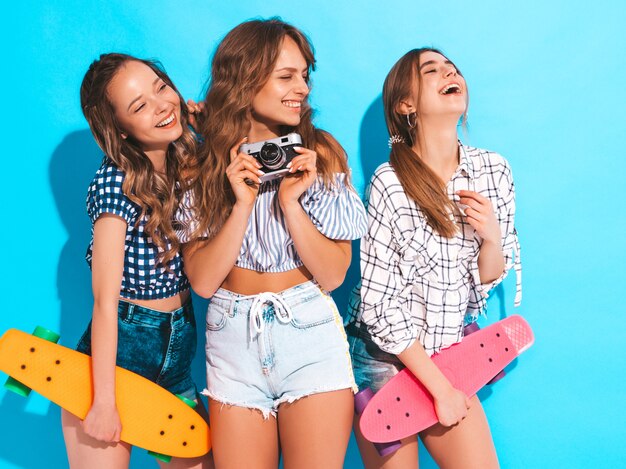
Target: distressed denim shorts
(156, 345)
(372, 366)
(266, 349)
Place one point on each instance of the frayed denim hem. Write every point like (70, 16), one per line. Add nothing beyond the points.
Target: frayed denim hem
(264, 411)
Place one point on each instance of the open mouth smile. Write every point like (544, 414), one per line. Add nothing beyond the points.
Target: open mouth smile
(297, 105)
(167, 121)
(452, 88)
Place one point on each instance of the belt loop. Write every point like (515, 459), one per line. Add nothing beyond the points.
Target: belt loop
(128, 307)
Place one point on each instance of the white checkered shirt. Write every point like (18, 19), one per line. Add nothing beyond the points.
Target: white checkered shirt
(416, 284)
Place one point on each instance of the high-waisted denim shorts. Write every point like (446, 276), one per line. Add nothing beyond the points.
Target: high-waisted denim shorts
(266, 349)
(156, 345)
(372, 366)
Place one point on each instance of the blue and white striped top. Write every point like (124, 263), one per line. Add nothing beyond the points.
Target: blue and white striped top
(337, 212)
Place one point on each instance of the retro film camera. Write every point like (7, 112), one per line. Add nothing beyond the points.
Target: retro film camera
(274, 154)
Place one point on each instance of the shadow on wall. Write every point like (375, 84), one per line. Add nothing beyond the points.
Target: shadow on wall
(36, 441)
(373, 151)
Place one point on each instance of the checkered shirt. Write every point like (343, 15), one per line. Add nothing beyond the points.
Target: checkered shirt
(143, 279)
(416, 284)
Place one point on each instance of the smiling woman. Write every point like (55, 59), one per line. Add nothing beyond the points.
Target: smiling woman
(142, 316)
(268, 251)
(441, 235)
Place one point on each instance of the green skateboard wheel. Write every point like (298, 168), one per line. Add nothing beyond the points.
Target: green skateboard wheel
(160, 457)
(18, 388)
(187, 401)
(46, 334)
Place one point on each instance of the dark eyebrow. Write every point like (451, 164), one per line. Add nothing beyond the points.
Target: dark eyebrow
(432, 62)
(140, 96)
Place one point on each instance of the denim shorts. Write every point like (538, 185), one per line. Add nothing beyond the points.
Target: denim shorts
(266, 349)
(156, 345)
(372, 366)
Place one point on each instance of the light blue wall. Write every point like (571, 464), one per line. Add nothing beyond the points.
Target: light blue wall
(547, 91)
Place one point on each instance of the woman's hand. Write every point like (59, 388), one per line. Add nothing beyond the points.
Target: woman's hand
(195, 112)
(302, 174)
(451, 407)
(103, 423)
(481, 216)
(243, 174)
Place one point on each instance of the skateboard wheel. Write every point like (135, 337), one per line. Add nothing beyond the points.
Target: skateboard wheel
(497, 377)
(160, 457)
(15, 386)
(187, 401)
(385, 449)
(361, 399)
(46, 334)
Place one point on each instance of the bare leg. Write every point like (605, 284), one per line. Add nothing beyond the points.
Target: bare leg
(466, 445)
(85, 452)
(202, 462)
(242, 437)
(314, 430)
(404, 458)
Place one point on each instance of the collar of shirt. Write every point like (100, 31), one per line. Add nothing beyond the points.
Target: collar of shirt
(466, 163)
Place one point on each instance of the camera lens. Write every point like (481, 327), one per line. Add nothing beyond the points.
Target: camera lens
(272, 156)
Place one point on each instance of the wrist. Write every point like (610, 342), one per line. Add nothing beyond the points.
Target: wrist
(492, 243)
(104, 400)
(241, 205)
(289, 205)
(440, 388)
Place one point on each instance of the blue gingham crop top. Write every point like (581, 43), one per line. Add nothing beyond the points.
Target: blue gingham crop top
(337, 212)
(142, 279)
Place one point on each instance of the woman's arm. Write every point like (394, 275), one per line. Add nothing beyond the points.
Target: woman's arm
(451, 405)
(102, 421)
(481, 216)
(327, 260)
(207, 263)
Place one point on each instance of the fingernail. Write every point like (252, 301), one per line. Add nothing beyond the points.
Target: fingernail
(289, 165)
(260, 172)
(297, 148)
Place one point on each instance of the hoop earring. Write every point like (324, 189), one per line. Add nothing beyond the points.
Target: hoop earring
(408, 120)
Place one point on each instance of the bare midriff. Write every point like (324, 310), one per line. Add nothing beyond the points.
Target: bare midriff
(251, 282)
(165, 305)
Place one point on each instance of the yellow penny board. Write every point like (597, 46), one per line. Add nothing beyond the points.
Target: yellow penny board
(152, 417)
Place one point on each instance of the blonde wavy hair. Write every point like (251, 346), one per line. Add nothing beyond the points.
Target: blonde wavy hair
(157, 195)
(241, 65)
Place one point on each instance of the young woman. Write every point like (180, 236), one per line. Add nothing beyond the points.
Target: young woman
(440, 236)
(142, 317)
(278, 366)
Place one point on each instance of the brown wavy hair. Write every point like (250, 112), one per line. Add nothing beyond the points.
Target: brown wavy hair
(418, 181)
(158, 195)
(241, 65)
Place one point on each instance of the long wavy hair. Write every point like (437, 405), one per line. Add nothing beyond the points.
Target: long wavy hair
(158, 195)
(418, 181)
(241, 65)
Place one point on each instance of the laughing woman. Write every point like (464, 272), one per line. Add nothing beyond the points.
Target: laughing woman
(142, 315)
(278, 367)
(440, 236)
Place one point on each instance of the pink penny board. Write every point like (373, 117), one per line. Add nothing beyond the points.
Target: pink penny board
(404, 407)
